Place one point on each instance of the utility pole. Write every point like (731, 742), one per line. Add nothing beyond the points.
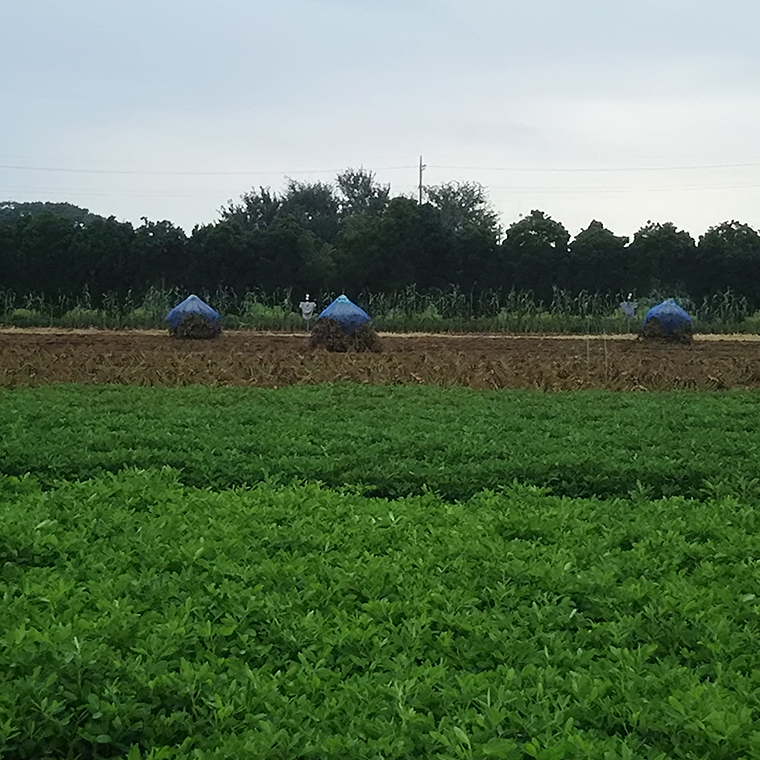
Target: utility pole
(422, 169)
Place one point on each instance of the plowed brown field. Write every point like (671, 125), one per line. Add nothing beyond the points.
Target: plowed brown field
(476, 361)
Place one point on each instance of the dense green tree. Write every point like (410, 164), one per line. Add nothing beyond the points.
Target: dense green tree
(317, 269)
(314, 206)
(596, 261)
(535, 254)
(728, 256)
(257, 209)
(8, 255)
(660, 256)
(415, 232)
(360, 193)
(464, 207)
(405, 245)
(44, 260)
(159, 251)
(359, 256)
(58, 255)
(12, 211)
(470, 256)
(351, 235)
(229, 255)
(224, 254)
(295, 258)
(102, 259)
(471, 260)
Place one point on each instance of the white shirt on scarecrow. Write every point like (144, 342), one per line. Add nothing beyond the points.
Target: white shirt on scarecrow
(307, 308)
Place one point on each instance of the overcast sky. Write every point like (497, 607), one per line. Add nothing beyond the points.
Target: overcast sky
(586, 109)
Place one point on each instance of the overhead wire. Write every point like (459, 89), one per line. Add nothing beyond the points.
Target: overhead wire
(247, 172)
(601, 169)
(406, 187)
(182, 173)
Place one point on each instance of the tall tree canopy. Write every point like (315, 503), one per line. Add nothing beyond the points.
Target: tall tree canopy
(596, 261)
(360, 193)
(661, 256)
(728, 256)
(314, 206)
(352, 235)
(464, 207)
(11, 211)
(535, 254)
(257, 209)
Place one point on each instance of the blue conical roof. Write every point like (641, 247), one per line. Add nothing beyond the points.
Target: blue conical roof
(346, 313)
(191, 305)
(669, 314)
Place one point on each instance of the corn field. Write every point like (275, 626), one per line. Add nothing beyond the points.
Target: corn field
(408, 310)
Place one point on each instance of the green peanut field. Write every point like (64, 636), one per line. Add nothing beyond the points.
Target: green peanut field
(346, 571)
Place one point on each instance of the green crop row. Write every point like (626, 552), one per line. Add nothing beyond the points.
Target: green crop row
(401, 311)
(391, 441)
(144, 619)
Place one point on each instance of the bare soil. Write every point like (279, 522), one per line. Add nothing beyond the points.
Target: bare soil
(42, 357)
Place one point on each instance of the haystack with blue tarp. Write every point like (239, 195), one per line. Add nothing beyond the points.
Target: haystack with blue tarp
(667, 321)
(346, 313)
(194, 318)
(343, 326)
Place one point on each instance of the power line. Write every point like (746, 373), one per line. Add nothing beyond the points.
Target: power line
(597, 169)
(244, 173)
(103, 192)
(183, 173)
(621, 189)
(495, 191)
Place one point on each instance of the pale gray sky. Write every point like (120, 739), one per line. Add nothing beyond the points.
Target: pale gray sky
(586, 109)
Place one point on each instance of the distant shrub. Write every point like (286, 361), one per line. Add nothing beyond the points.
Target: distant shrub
(140, 317)
(27, 318)
(263, 317)
(81, 317)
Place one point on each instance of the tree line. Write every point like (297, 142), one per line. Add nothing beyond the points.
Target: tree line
(352, 236)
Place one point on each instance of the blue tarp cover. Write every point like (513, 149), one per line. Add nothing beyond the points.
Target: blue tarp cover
(669, 314)
(346, 313)
(191, 305)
